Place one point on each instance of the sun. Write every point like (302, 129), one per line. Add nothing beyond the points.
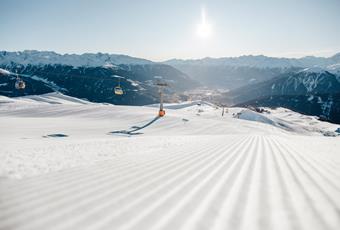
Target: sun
(204, 29)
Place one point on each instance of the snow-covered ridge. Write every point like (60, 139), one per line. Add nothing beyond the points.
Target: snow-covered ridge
(111, 60)
(34, 57)
(314, 69)
(311, 78)
(56, 98)
(49, 98)
(50, 84)
(333, 69)
(260, 61)
(4, 72)
(291, 121)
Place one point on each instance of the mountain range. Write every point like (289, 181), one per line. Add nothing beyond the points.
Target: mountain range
(261, 61)
(309, 85)
(234, 72)
(314, 93)
(91, 76)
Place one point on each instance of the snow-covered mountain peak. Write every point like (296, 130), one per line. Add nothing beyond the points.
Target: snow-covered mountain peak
(34, 57)
(335, 69)
(315, 69)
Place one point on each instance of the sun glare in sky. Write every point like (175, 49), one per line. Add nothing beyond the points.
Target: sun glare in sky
(162, 30)
(204, 29)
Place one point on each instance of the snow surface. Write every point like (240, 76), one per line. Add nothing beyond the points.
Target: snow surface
(291, 121)
(4, 72)
(61, 167)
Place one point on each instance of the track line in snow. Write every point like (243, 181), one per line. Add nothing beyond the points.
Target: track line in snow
(265, 196)
(312, 174)
(72, 175)
(257, 182)
(162, 190)
(288, 215)
(235, 210)
(60, 187)
(314, 217)
(319, 166)
(199, 196)
(205, 215)
(323, 200)
(101, 194)
(196, 188)
(256, 211)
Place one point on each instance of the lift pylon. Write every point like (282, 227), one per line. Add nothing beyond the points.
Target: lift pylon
(161, 86)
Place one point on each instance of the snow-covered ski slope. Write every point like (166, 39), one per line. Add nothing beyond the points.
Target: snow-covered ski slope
(63, 167)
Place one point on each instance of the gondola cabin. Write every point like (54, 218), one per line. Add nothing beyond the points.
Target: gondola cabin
(20, 84)
(118, 90)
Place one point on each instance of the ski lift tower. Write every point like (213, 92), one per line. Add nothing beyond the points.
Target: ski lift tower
(161, 86)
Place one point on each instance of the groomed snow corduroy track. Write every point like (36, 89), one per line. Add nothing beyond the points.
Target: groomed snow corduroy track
(225, 181)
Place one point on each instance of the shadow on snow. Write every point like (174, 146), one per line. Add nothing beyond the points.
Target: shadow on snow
(133, 130)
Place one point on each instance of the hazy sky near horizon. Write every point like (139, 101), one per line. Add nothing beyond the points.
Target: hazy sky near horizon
(160, 30)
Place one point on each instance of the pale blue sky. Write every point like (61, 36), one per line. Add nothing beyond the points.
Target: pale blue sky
(160, 30)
